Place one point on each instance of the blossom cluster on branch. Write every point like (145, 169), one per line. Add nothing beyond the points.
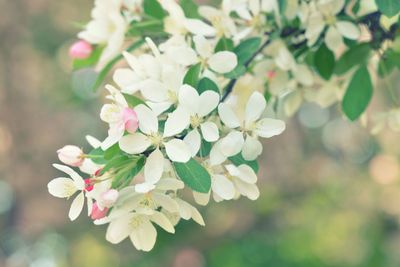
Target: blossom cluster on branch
(199, 86)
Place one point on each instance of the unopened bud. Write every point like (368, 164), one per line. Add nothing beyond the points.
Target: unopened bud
(71, 155)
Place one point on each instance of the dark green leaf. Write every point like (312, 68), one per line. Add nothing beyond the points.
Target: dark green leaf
(324, 61)
(190, 9)
(358, 94)
(194, 175)
(207, 84)
(153, 9)
(103, 73)
(238, 160)
(388, 7)
(388, 62)
(356, 55)
(146, 28)
(237, 72)
(205, 149)
(224, 44)
(133, 101)
(124, 178)
(115, 163)
(192, 75)
(246, 49)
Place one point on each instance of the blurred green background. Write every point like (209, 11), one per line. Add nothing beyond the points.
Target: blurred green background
(330, 190)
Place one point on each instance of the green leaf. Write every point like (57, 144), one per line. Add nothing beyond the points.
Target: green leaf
(112, 152)
(192, 75)
(207, 84)
(205, 149)
(115, 163)
(133, 101)
(358, 94)
(124, 178)
(103, 73)
(356, 55)
(97, 156)
(246, 49)
(153, 9)
(236, 72)
(388, 62)
(190, 9)
(238, 160)
(388, 7)
(324, 61)
(224, 44)
(146, 28)
(194, 175)
(90, 61)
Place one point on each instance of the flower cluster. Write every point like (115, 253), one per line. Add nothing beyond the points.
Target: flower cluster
(203, 86)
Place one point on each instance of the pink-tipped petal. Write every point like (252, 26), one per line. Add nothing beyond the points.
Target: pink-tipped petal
(97, 213)
(130, 119)
(71, 155)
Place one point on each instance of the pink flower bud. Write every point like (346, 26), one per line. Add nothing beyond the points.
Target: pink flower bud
(97, 213)
(271, 74)
(88, 185)
(71, 155)
(109, 197)
(130, 119)
(80, 50)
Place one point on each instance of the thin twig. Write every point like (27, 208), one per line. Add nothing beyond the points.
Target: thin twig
(231, 84)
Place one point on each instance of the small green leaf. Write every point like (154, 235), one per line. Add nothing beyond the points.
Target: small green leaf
(133, 101)
(388, 62)
(358, 94)
(115, 163)
(205, 149)
(97, 156)
(153, 9)
(146, 28)
(190, 9)
(207, 84)
(324, 61)
(194, 175)
(90, 61)
(356, 55)
(236, 72)
(192, 75)
(389, 8)
(238, 160)
(224, 44)
(246, 49)
(124, 178)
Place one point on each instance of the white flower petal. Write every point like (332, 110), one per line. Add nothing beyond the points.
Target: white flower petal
(166, 202)
(144, 236)
(304, 75)
(333, 39)
(196, 26)
(247, 174)
(58, 187)
(134, 143)
(255, 107)
(196, 216)
(119, 229)
(232, 143)
(153, 90)
(270, 127)
(127, 80)
(201, 198)
(216, 156)
(193, 140)
(76, 206)
(162, 220)
(177, 121)
(170, 184)
(203, 47)
(223, 187)
(177, 150)
(228, 117)
(252, 148)
(78, 180)
(148, 122)
(209, 131)
(251, 191)
(154, 167)
(348, 29)
(182, 55)
(208, 102)
(189, 98)
(223, 61)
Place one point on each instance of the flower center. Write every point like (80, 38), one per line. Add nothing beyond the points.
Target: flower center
(330, 20)
(195, 121)
(156, 139)
(172, 96)
(136, 222)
